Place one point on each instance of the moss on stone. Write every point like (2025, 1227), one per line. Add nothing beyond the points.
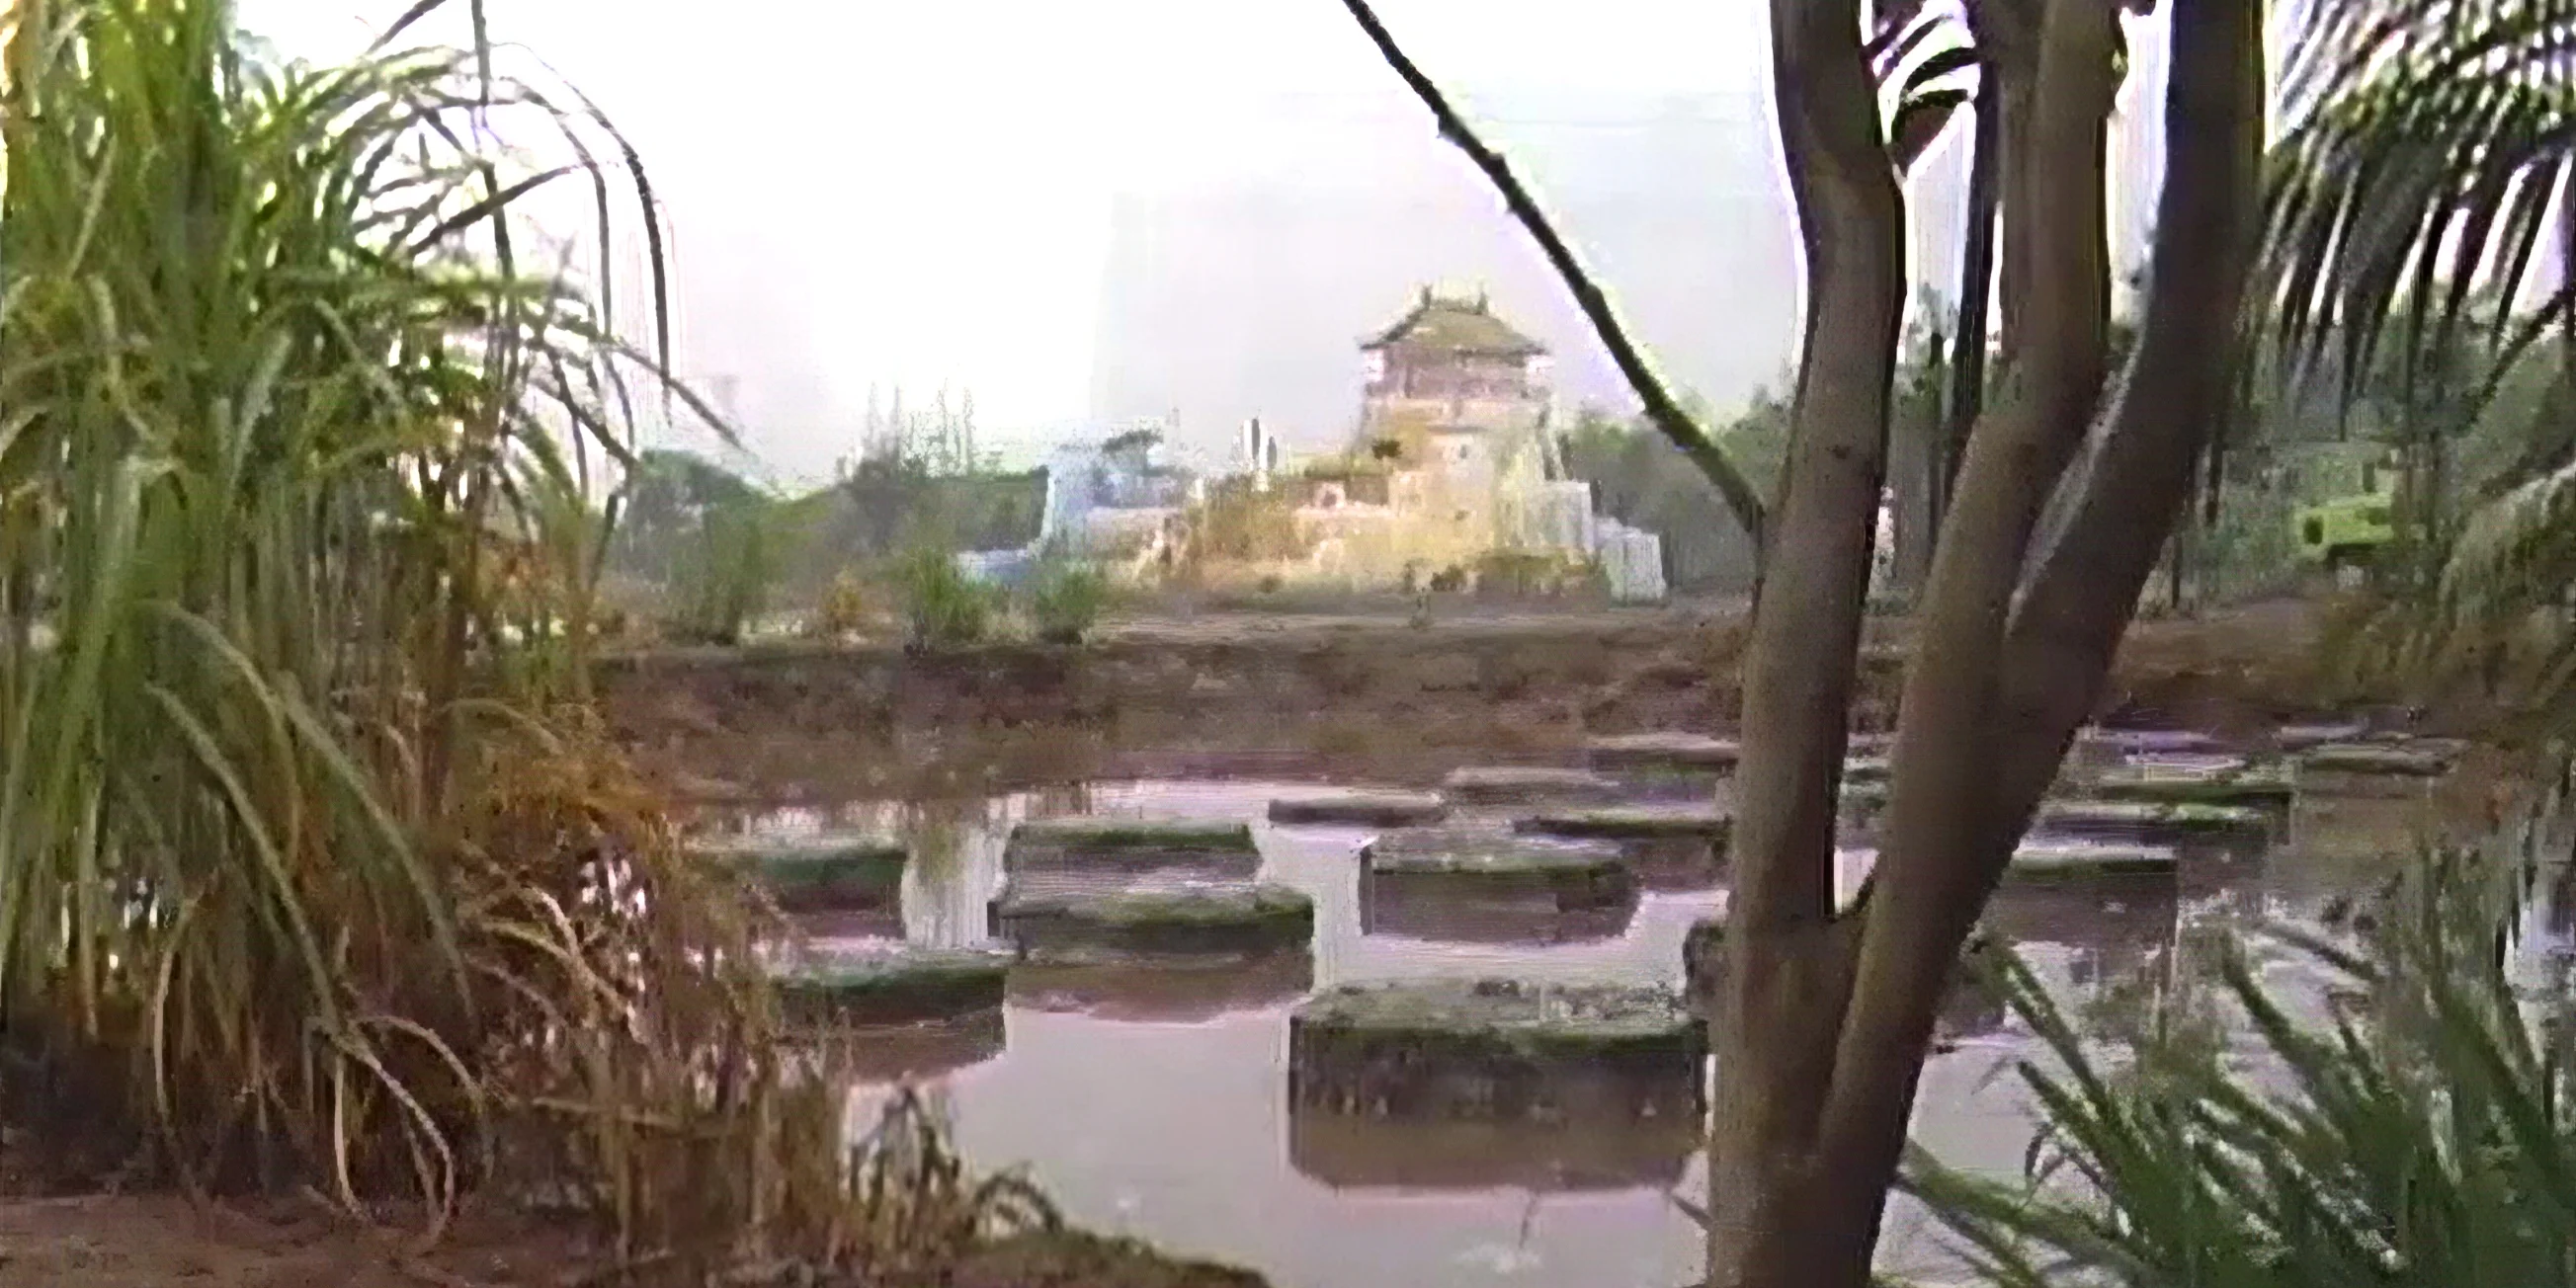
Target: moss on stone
(1662, 751)
(2060, 860)
(1360, 809)
(1237, 919)
(815, 873)
(1480, 864)
(1633, 823)
(1497, 1050)
(2378, 759)
(1116, 841)
(1527, 785)
(2152, 818)
(2263, 786)
(894, 984)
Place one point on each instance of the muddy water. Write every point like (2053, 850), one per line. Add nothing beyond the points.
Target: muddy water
(1154, 1103)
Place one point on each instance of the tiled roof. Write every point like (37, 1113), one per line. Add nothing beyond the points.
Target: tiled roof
(1455, 326)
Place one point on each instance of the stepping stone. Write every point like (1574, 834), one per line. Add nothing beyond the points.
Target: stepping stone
(1662, 751)
(1633, 823)
(1666, 846)
(1497, 1050)
(1240, 920)
(2041, 860)
(2147, 741)
(1349, 1152)
(815, 873)
(2151, 818)
(1360, 809)
(2236, 783)
(1866, 769)
(891, 984)
(1527, 785)
(2379, 759)
(1166, 992)
(2302, 737)
(1497, 865)
(1132, 844)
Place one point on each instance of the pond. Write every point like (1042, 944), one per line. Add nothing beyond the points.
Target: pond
(1155, 1101)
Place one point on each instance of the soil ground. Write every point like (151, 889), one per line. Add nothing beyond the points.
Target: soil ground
(1381, 698)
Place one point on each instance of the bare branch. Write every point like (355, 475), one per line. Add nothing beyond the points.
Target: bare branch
(1661, 408)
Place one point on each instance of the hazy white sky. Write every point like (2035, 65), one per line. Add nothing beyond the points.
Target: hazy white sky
(882, 191)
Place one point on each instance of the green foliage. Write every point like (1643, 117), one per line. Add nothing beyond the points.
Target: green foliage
(724, 582)
(2400, 1124)
(942, 606)
(315, 873)
(1066, 599)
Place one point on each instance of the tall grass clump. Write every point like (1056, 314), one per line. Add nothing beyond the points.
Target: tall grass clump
(942, 606)
(314, 871)
(2399, 1116)
(1066, 600)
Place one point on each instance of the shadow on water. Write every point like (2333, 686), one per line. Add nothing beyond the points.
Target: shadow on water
(1151, 1098)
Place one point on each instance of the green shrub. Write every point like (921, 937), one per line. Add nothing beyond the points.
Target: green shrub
(725, 575)
(2401, 1122)
(1066, 600)
(942, 606)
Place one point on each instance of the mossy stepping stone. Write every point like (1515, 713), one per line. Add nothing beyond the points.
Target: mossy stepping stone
(2151, 818)
(1663, 752)
(1497, 1050)
(815, 873)
(1350, 1152)
(1496, 864)
(2043, 860)
(2146, 741)
(1666, 847)
(1057, 927)
(1527, 785)
(2303, 737)
(893, 984)
(2393, 759)
(1114, 840)
(2238, 784)
(1360, 809)
(1867, 769)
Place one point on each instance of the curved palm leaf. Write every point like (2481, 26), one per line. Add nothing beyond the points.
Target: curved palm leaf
(2427, 143)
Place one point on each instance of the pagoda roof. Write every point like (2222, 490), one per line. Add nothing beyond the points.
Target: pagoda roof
(1447, 325)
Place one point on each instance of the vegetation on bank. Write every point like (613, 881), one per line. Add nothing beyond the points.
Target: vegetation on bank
(316, 874)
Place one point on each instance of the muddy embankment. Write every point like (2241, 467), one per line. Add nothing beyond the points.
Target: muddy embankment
(1380, 699)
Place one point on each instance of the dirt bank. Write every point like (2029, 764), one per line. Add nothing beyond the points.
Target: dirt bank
(144, 1241)
(1374, 697)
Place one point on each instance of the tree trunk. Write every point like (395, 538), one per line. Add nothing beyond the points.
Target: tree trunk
(1824, 1019)
(1784, 950)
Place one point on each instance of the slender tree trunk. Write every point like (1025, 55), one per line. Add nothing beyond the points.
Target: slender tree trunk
(1825, 1019)
(1785, 950)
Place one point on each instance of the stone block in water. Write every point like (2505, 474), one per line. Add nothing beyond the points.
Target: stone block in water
(1237, 919)
(1497, 866)
(1631, 752)
(1090, 851)
(890, 983)
(2393, 759)
(1347, 1152)
(2238, 783)
(1666, 846)
(1527, 785)
(2077, 860)
(823, 873)
(1359, 809)
(2152, 820)
(1498, 1050)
